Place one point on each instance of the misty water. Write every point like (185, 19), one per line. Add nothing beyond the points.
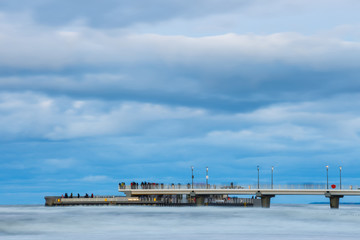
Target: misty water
(141, 222)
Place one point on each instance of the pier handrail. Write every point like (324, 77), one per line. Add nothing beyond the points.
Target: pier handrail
(307, 186)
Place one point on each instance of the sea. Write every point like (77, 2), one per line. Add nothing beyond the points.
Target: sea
(148, 222)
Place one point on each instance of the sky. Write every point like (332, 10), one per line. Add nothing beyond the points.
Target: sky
(93, 93)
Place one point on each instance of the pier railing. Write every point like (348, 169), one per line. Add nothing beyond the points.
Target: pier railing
(235, 186)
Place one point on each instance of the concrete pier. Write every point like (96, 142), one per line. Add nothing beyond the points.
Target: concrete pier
(265, 195)
(265, 199)
(184, 195)
(334, 199)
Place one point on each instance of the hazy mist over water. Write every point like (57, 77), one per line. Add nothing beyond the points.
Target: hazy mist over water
(127, 222)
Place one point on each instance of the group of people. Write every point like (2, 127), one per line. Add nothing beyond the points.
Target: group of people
(149, 185)
(143, 185)
(122, 185)
(78, 195)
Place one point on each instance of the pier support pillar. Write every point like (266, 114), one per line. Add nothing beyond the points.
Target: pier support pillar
(200, 200)
(192, 197)
(334, 200)
(265, 199)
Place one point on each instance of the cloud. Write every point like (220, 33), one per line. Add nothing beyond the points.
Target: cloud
(122, 13)
(63, 118)
(98, 178)
(55, 163)
(231, 72)
(50, 49)
(111, 13)
(313, 125)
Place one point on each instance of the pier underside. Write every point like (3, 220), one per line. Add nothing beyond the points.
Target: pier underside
(154, 200)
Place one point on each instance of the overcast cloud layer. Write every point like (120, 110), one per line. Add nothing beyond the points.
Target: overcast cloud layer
(96, 93)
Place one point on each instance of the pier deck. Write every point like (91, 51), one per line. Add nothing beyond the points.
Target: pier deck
(264, 194)
(199, 191)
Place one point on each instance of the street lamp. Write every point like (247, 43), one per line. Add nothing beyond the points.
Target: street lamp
(207, 177)
(258, 177)
(327, 177)
(192, 177)
(340, 176)
(272, 177)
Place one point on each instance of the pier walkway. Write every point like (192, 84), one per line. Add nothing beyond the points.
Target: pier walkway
(202, 192)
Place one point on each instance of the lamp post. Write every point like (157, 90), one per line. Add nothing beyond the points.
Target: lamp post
(258, 177)
(340, 176)
(327, 177)
(192, 177)
(272, 177)
(207, 177)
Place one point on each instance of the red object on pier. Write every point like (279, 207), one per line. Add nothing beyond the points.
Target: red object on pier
(333, 186)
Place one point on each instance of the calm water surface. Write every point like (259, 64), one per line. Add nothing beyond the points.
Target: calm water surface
(127, 222)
